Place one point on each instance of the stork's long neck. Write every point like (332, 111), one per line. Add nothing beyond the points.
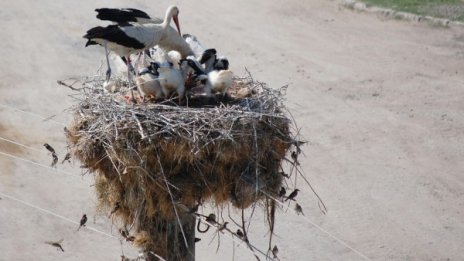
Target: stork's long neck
(167, 19)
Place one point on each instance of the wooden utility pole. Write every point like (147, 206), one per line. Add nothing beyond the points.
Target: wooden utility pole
(177, 250)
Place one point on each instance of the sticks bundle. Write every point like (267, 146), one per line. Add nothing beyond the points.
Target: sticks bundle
(154, 162)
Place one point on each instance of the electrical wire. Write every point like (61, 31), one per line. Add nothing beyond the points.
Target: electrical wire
(277, 201)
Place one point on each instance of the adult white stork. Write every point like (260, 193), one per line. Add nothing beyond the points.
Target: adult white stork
(124, 16)
(130, 38)
(172, 39)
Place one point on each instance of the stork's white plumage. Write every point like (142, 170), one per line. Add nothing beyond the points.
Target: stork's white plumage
(218, 81)
(171, 79)
(147, 82)
(164, 58)
(194, 44)
(172, 41)
(174, 58)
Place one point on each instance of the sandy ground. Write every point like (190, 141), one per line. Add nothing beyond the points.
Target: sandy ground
(379, 101)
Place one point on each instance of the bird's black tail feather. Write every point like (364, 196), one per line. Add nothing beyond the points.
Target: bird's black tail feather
(207, 54)
(90, 42)
(123, 15)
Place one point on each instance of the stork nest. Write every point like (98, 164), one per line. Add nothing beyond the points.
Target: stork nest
(152, 160)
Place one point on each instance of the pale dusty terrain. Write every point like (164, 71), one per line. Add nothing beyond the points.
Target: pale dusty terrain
(380, 102)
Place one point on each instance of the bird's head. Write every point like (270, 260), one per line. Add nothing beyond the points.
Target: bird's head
(174, 13)
(154, 66)
(221, 64)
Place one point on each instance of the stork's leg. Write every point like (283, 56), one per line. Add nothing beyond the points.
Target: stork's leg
(108, 71)
(181, 92)
(147, 52)
(129, 66)
(129, 80)
(137, 61)
(137, 66)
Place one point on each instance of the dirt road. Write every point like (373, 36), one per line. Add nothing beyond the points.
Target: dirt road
(380, 103)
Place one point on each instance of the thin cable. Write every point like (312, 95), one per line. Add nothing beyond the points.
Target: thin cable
(38, 164)
(287, 208)
(318, 227)
(54, 214)
(67, 173)
(32, 114)
(277, 201)
(20, 144)
(65, 218)
(235, 241)
(69, 220)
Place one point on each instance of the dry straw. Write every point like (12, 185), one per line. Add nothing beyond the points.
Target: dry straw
(155, 161)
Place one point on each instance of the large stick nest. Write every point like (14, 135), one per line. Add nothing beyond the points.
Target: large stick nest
(152, 158)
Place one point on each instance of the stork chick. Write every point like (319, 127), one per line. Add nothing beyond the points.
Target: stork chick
(208, 58)
(222, 63)
(219, 81)
(192, 71)
(147, 82)
(171, 79)
(220, 78)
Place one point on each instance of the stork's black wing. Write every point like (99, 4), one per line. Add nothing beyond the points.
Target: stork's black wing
(120, 15)
(207, 54)
(114, 34)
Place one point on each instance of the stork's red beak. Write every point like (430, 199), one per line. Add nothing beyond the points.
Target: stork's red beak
(176, 21)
